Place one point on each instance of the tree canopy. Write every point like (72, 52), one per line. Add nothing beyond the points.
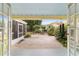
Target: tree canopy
(31, 23)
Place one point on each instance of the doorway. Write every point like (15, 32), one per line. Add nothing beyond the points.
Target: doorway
(4, 29)
(73, 29)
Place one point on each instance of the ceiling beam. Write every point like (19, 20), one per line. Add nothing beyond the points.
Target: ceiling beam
(38, 17)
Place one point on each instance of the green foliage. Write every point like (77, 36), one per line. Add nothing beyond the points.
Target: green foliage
(31, 23)
(50, 31)
(37, 29)
(63, 42)
(43, 28)
(62, 30)
(27, 35)
(57, 32)
(61, 34)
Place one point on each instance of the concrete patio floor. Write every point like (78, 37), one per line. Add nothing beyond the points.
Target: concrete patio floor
(39, 45)
(39, 52)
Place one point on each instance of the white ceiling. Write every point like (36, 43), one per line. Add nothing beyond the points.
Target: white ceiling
(39, 8)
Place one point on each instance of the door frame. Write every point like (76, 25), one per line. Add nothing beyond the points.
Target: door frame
(71, 14)
(8, 29)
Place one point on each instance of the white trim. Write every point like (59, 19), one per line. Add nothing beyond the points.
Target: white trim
(69, 31)
(17, 40)
(18, 20)
(18, 29)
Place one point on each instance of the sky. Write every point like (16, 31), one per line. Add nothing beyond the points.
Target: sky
(48, 21)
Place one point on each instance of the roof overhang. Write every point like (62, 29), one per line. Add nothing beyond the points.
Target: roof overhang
(38, 17)
(39, 11)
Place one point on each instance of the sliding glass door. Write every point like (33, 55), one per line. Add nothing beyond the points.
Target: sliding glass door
(6, 9)
(4, 28)
(73, 28)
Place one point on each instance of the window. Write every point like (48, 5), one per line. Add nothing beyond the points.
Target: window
(14, 29)
(24, 29)
(20, 29)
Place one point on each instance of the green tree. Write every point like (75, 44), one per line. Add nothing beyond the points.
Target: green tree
(31, 23)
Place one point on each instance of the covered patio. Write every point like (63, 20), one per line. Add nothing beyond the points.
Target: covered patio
(13, 28)
(39, 44)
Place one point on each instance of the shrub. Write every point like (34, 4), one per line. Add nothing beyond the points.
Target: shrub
(50, 31)
(27, 35)
(55, 30)
(61, 34)
(43, 28)
(37, 29)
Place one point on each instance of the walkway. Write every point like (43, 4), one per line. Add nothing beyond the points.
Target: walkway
(39, 45)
